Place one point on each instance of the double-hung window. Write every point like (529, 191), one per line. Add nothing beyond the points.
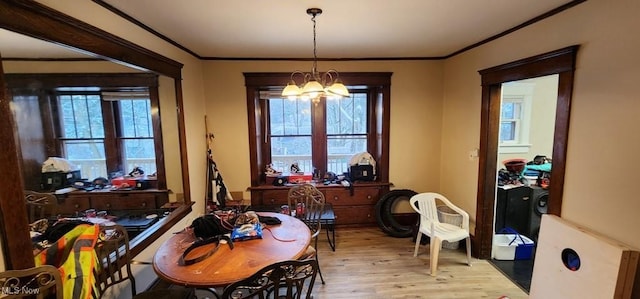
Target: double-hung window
(95, 125)
(291, 124)
(511, 120)
(135, 133)
(347, 130)
(321, 136)
(82, 132)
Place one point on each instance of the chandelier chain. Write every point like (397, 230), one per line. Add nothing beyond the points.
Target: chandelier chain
(315, 50)
(315, 85)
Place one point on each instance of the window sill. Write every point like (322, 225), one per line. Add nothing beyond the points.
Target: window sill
(319, 185)
(514, 148)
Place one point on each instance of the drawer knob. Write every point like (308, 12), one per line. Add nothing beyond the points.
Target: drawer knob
(144, 204)
(76, 206)
(369, 197)
(108, 205)
(335, 197)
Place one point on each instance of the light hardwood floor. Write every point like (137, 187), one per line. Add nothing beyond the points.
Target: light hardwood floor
(369, 264)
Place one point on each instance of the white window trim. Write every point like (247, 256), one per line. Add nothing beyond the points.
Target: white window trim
(523, 93)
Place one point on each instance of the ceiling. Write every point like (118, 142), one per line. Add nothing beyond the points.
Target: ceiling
(347, 29)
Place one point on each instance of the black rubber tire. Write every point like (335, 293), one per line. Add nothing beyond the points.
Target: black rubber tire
(385, 219)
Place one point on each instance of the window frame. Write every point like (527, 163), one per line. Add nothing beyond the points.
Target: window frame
(520, 143)
(379, 85)
(104, 82)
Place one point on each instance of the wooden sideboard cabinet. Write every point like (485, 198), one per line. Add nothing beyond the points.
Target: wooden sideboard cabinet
(79, 201)
(352, 206)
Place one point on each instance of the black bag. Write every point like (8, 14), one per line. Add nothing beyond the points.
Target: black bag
(209, 229)
(210, 225)
(361, 173)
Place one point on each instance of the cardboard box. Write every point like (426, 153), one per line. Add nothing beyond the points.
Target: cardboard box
(140, 183)
(300, 178)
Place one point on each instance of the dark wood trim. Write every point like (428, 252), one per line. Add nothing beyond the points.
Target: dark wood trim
(14, 231)
(30, 18)
(39, 21)
(384, 108)
(349, 78)
(549, 63)
(103, 80)
(318, 137)
(154, 96)
(182, 138)
(145, 27)
(537, 19)
(112, 146)
(379, 85)
(561, 62)
(51, 59)
(255, 129)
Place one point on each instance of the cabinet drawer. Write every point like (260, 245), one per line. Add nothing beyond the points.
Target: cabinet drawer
(361, 196)
(272, 197)
(354, 214)
(124, 202)
(72, 204)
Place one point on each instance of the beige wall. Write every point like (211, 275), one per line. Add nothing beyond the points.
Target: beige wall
(603, 137)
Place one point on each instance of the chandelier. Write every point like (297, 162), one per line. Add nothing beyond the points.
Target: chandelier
(315, 85)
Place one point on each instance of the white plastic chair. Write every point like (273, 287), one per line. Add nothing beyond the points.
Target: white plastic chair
(425, 205)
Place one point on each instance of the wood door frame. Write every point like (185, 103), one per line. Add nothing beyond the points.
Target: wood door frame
(36, 20)
(561, 62)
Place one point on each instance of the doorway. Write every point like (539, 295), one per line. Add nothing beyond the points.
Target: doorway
(526, 131)
(560, 62)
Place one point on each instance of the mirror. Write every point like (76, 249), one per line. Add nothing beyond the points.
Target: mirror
(37, 21)
(24, 54)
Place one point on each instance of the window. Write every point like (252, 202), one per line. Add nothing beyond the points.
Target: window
(347, 131)
(323, 136)
(290, 131)
(515, 117)
(104, 123)
(84, 127)
(136, 134)
(511, 119)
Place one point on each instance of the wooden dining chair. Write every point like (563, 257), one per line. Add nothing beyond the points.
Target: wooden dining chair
(40, 205)
(37, 282)
(112, 250)
(287, 279)
(114, 267)
(312, 203)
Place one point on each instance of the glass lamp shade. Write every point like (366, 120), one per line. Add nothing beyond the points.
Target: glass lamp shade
(292, 90)
(338, 89)
(312, 88)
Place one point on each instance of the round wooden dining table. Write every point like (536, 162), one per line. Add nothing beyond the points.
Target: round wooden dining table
(285, 241)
